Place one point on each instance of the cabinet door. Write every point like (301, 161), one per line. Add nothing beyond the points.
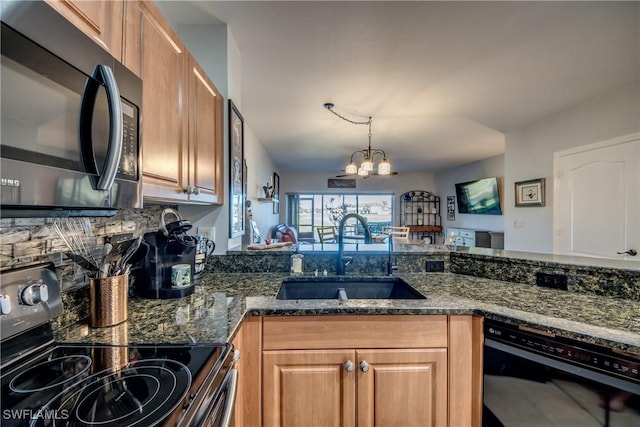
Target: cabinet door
(308, 388)
(155, 52)
(101, 20)
(205, 138)
(402, 387)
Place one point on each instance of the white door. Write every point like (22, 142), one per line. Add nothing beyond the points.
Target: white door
(597, 199)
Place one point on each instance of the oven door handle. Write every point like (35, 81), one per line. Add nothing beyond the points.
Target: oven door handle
(231, 399)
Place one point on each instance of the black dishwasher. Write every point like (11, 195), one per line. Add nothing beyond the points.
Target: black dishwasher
(534, 378)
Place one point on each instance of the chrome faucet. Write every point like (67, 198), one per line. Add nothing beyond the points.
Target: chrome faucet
(342, 261)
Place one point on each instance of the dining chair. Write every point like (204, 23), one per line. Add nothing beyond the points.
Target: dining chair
(397, 232)
(327, 234)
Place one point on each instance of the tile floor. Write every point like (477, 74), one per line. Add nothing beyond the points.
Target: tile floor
(556, 403)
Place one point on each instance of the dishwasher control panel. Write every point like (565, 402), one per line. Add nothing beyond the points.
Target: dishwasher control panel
(570, 351)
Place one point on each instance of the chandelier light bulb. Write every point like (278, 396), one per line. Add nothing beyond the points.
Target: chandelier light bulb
(362, 172)
(384, 167)
(351, 169)
(367, 164)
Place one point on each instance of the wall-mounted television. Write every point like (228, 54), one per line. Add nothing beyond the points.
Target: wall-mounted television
(479, 197)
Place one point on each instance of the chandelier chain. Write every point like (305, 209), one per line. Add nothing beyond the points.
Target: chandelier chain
(368, 122)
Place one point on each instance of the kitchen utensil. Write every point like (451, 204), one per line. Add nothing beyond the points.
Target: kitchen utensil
(83, 262)
(124, 261)
(78, 236)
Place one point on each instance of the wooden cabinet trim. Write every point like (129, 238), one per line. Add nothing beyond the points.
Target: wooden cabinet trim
(248, 405)
(361, 331)
(465, 370)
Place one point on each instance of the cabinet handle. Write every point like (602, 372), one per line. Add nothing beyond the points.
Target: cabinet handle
(364, 366)
(348, 366)
(196, 191)
(631, 252)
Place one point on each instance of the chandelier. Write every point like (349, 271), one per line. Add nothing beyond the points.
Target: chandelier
(367, 157)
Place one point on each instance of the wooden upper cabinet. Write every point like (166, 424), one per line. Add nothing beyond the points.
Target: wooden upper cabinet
(156, 54)
(205, 178)
(181, 112)
(102, 20)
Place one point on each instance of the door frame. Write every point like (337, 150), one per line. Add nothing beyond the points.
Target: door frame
(556, 171)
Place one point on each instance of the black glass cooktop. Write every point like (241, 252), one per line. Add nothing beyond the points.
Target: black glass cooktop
(102, 385)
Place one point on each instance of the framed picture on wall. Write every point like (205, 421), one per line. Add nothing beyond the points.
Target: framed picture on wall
(276, 193)
(451, 208)
(236, 172)
(530, 193)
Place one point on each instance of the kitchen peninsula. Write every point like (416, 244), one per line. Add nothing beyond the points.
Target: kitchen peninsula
(240, 305)
(602, 304)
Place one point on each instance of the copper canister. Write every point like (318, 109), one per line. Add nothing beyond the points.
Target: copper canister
(108, 300)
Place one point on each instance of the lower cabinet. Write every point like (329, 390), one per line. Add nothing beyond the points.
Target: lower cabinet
(360, 370)
(385, 387)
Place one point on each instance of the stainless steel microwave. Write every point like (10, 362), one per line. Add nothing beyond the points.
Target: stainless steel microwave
(70, 136)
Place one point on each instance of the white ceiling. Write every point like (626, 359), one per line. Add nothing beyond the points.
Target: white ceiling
(443, 81)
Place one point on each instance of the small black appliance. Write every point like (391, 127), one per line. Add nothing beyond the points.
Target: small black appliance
(170, 248)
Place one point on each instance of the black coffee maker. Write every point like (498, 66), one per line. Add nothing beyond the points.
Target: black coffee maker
(167, 270)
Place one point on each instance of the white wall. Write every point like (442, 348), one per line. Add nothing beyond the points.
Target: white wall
(529, 155)
(217, 52)
(260, 170)
(445, 184)
(299, 182)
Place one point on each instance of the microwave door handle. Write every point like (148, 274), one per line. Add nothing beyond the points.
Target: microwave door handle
(114, 151)
(104, 75)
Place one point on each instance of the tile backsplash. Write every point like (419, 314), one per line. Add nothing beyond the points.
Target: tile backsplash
(25, 241)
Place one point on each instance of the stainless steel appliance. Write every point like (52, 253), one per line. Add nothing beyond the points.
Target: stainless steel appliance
(46, 383)
(533, 378)
(70, 120)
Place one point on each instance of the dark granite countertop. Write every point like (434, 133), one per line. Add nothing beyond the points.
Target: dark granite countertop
(220, 301)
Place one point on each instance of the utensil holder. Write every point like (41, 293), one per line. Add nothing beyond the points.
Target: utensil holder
(108, 300)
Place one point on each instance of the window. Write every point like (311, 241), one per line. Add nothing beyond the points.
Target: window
(307, 212)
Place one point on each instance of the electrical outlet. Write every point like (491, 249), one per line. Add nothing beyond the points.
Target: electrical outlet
(551, 280)
(207, 232)
(435, 266)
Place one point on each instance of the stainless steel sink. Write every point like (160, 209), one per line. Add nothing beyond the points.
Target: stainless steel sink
(346, 288)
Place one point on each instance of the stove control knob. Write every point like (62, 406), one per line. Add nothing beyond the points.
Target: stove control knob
(5, 304)
(33, 294)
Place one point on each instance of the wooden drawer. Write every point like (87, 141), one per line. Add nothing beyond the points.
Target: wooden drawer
(376, 331)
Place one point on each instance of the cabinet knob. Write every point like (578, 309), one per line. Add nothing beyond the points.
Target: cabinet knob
(364, 366)
(348, 366)
(195, 191)
(187, 190)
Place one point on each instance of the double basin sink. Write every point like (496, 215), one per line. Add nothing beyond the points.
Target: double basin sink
(343, 288)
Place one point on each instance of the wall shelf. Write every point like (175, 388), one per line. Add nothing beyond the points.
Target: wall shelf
(420, 210)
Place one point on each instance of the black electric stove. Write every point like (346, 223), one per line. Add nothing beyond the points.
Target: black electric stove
(50, 384)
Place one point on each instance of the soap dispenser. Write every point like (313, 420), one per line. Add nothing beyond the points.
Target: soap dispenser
(296, 263)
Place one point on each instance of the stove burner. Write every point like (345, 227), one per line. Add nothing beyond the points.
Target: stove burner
(139, 394)
(119, 401)
(50, 373)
